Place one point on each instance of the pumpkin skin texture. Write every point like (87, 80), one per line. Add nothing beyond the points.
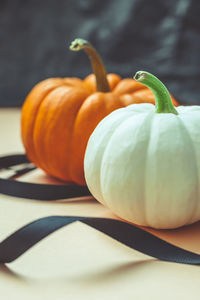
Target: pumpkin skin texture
(59, 114)
(145, 165)
(56, 134)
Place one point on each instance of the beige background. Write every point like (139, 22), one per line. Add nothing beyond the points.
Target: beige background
(78, 262)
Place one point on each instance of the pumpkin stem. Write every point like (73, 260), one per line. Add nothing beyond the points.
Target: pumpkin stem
(163, 99)
(98, 67)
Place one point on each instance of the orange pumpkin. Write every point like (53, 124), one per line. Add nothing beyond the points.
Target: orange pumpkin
(59, 114)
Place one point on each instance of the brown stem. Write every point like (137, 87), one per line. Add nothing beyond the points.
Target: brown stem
(98, 67)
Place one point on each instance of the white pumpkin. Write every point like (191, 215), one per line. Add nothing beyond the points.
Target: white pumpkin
(144, 162)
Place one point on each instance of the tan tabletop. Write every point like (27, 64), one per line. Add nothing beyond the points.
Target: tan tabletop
(78, 262)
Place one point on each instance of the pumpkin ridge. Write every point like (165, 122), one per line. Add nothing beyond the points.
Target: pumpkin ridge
(127, 119)
(150, 114)
(170, 205)
(71, 165)
(103, 104)
(72, 134)
(103, 153)
(113, 80)
(52, 168)
(41, 163)
(121, 87)
(29, 145)
(180, 120)
(33, 153)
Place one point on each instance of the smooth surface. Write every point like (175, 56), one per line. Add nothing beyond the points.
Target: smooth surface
(78, 262)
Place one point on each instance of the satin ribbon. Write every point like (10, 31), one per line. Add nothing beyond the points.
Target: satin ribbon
(47, 192)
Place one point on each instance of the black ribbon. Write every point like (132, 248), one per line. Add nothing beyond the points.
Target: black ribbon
(26, 237)
(47, 192)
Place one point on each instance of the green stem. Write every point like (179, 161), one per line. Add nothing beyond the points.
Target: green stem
(98, 67)
(163, 99)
